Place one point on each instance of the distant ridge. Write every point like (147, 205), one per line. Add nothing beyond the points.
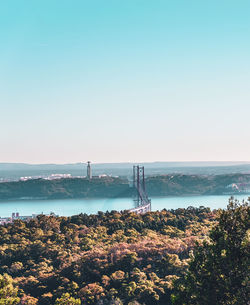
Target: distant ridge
(10, 166)
(13, 171)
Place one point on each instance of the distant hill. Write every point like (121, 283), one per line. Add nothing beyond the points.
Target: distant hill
(106, 187)
(110, 187)
(17, 170)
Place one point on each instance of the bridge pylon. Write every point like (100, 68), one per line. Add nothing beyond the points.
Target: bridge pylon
(142, 202)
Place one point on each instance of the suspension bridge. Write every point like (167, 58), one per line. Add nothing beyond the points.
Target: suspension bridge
(142, 202)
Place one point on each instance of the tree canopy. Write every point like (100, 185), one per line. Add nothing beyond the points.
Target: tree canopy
(8, 291)
(157, 258)
(219, 270)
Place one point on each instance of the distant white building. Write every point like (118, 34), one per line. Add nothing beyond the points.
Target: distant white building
(232, 186)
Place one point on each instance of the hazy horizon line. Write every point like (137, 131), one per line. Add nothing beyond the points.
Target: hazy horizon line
(128, 162)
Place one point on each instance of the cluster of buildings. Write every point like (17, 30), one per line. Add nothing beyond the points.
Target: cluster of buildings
(15, 216)
(50, 177)
(235, 188)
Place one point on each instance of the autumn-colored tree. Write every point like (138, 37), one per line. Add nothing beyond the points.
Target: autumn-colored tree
(28, 300)
(91, 293)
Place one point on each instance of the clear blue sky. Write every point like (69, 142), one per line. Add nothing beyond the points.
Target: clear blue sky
(134, 80)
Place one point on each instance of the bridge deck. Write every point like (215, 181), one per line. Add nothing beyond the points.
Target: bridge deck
(141, 209)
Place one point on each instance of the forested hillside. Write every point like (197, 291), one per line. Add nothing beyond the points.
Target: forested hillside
(111, 187)
(104, 257)
(166, 257)
(179, 184)
(106, 187)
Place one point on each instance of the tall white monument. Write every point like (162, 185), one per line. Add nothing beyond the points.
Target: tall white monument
(89, 171)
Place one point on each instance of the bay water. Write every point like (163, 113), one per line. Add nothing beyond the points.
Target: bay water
(69, 207)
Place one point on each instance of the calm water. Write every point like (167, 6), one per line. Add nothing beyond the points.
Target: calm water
(68, 207)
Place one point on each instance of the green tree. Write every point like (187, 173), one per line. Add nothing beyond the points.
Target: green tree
(218, 272)
(8, 291)
(67, 299)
